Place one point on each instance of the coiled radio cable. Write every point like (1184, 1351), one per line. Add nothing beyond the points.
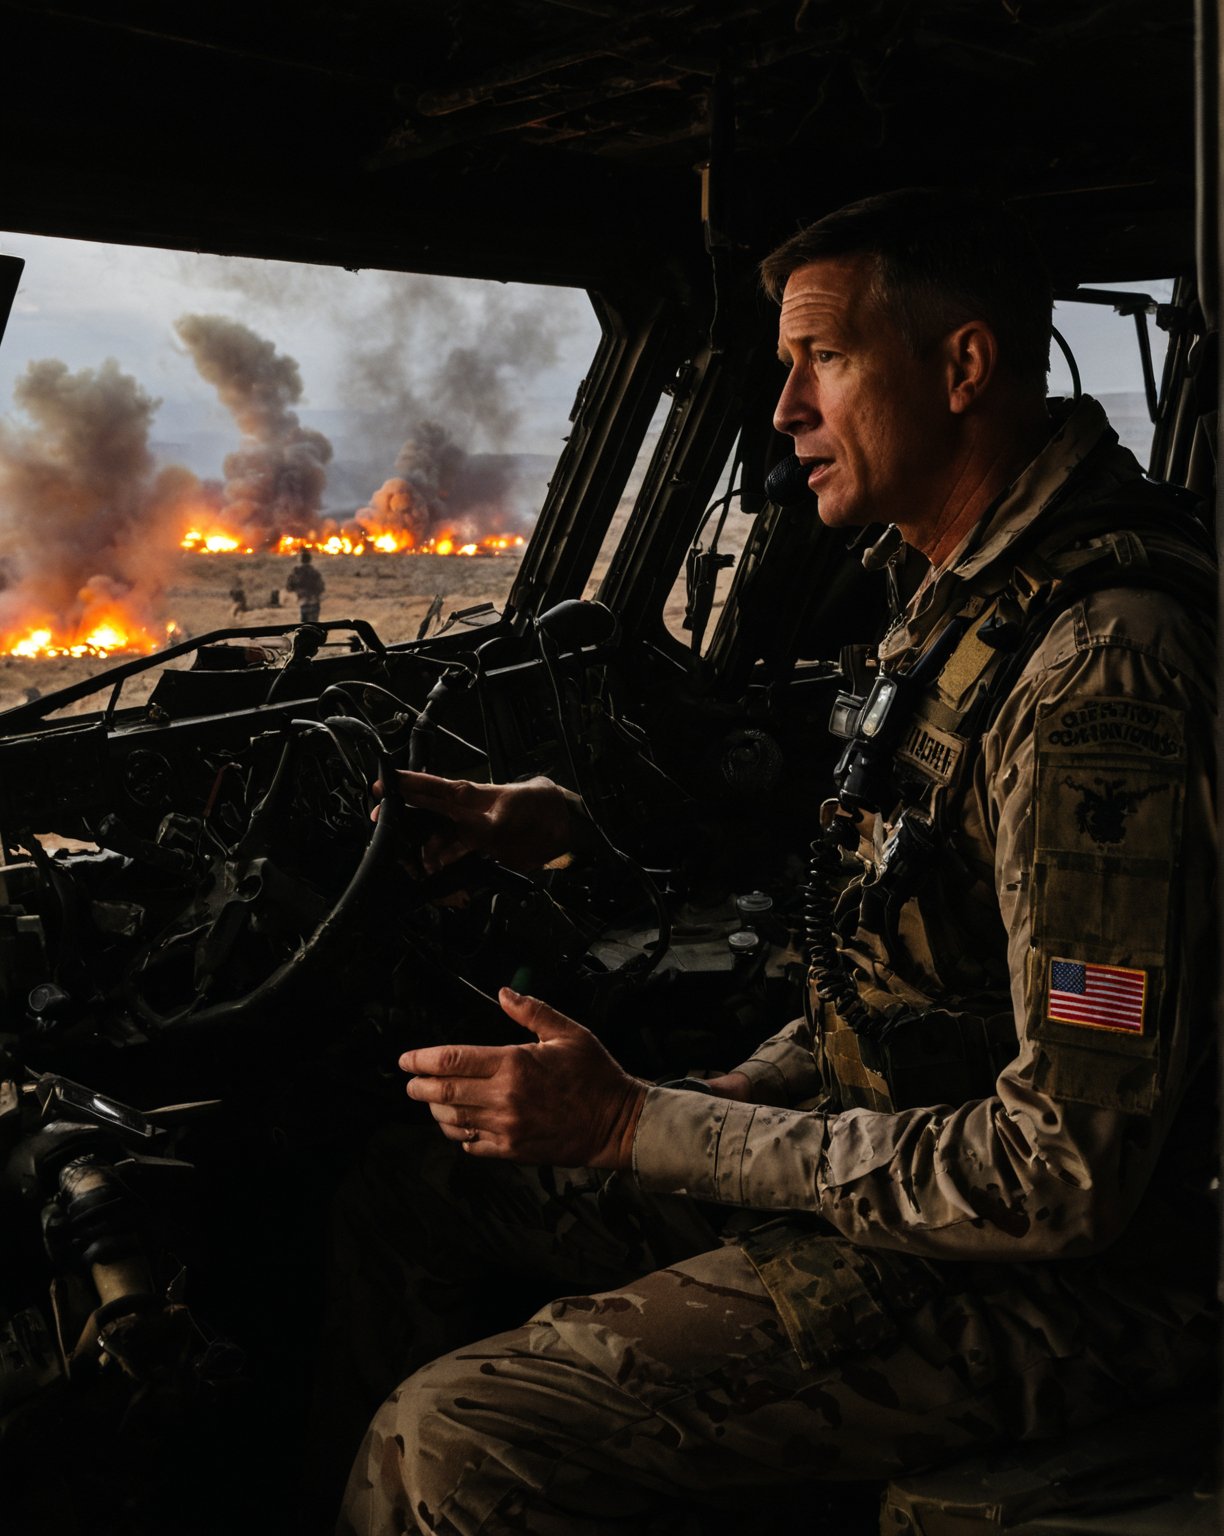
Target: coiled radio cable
(830, 972)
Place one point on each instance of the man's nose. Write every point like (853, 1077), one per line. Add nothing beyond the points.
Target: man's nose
(797, 408)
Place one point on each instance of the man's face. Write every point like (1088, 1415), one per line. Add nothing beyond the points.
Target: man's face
(868, 418)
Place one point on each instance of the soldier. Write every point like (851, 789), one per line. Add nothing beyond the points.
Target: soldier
(308, 586)
(963, 1200)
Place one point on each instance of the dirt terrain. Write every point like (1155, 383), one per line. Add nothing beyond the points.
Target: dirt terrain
(392, 592)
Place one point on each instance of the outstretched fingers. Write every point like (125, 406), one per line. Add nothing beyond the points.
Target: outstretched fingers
(560, 1099)
(474, 1128)
(469, 1090)
(449, 1061)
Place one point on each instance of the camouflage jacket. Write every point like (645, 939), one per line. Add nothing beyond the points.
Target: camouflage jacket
(1078, 899)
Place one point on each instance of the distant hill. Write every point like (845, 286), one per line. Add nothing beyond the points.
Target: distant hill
(360, 466)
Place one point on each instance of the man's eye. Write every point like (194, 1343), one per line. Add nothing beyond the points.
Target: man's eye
(824, 357)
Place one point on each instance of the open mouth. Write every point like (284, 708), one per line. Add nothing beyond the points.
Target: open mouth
(817, 469)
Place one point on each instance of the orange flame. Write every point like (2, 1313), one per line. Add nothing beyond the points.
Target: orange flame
(384, 541)
(215, 543)
(113, 634)
(322, 544)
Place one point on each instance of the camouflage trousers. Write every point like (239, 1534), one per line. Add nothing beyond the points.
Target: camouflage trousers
(675, 1400)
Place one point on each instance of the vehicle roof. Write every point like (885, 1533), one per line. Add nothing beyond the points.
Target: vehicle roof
(556, 140)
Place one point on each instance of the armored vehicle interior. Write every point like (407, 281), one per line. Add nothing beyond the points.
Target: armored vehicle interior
(210, 957)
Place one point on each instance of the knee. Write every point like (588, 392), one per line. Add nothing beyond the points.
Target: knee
(415, 1453)
(435, 1439)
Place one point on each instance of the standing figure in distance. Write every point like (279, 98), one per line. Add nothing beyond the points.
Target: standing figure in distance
(307, 586)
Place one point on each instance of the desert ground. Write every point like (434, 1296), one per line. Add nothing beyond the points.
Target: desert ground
(392, 592)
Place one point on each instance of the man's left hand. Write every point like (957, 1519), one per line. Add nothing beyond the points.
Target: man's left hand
(560, 1100)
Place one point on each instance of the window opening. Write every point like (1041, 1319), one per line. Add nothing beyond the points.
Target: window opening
(704, 580)
(704, 564)
(178, 430)
(633, 486)
(1117, 338)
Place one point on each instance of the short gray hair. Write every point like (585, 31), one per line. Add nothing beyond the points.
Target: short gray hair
(941, 257)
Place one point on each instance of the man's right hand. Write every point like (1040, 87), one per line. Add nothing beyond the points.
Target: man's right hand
(520, 825)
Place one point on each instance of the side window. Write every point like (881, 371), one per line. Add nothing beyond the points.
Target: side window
(1107, 353)
(703, 581)
(616, 528)
(191, 443)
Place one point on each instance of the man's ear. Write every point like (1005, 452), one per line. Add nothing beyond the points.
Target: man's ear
(971, 355)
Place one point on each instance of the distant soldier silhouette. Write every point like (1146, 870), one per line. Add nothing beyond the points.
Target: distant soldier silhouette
(238, 598)
(307, 586)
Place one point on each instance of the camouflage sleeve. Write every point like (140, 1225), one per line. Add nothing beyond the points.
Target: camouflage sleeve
(1095, 787)
(783, 1069)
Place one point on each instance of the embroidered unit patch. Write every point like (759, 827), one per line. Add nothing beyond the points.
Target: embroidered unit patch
(1101, 996)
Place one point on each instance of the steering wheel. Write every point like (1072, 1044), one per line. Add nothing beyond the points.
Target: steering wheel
(252, 912)
(247, 894)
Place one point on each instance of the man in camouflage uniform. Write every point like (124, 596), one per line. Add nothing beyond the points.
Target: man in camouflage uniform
(961, 1202)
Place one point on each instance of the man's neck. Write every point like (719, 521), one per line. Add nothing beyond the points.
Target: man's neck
(989, 464)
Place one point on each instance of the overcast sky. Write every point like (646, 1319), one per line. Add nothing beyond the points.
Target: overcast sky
(84, 302)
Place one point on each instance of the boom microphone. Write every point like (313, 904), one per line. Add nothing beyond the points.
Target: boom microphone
(786, 483)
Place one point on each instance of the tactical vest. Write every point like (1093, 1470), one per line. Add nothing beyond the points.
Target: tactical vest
(912, 739)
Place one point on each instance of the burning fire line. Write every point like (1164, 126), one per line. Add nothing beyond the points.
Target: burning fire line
(388, 542)
(112, 637)
(214, 543)
(116, 634)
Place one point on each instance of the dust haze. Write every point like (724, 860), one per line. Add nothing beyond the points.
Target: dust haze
(88, 518)
(438, 369)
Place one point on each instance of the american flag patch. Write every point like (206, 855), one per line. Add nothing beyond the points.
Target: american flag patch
(1102, 996)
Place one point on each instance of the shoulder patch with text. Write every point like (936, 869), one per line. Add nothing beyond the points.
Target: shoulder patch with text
(1108, 805)
(1110, 777)
(1118, 725)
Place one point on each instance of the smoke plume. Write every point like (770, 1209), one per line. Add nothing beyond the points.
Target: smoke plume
(439, 368)
(276, 478)
(438, 488)
(453, 462)
(89, 521)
